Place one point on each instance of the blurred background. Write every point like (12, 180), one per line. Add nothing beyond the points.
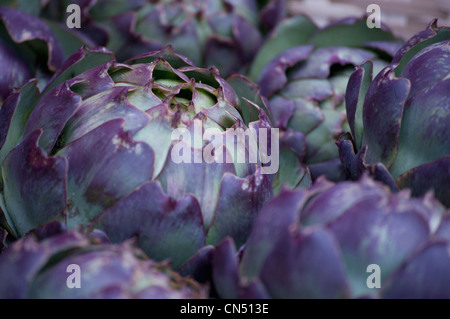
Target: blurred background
(404, 17)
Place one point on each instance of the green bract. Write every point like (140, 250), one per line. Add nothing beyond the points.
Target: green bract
(97, 147)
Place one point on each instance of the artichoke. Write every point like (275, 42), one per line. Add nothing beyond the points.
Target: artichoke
(304, 71)
(221, 33)
(39, 265)
(340, 240)
(100, 147)
(32, 48)
(399, 120)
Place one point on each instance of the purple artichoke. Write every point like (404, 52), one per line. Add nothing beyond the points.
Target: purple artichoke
(31, 47)
(304, 71)
(100, 147)
(400, 119)
(221, 33)
(45, 264)
(343, 240)
(3, 236)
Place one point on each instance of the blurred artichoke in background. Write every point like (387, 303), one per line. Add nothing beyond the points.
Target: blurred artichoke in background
(324, 242)
(96, 148)
(39, 265)
(400, 120)
(221, 33)
(303, 71)
(31, 47)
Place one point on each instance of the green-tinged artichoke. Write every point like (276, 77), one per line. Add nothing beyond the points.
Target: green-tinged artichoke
(303, 71)
(400, 120)
(343, 240)
(221, 33)
(31, 47)
(124, 148)
(51, 262)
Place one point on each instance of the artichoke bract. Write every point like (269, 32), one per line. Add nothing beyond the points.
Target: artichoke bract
(399, 120)
(303, 71)
(155, 149)
(31, 47)
(221, 33)
(51, 262)
(340, 240)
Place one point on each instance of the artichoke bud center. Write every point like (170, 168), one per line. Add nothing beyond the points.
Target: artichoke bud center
(183, 97)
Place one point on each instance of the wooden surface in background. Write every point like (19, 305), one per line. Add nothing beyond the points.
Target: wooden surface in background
(403, 17)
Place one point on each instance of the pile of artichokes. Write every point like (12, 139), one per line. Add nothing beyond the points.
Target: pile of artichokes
(220, 149)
